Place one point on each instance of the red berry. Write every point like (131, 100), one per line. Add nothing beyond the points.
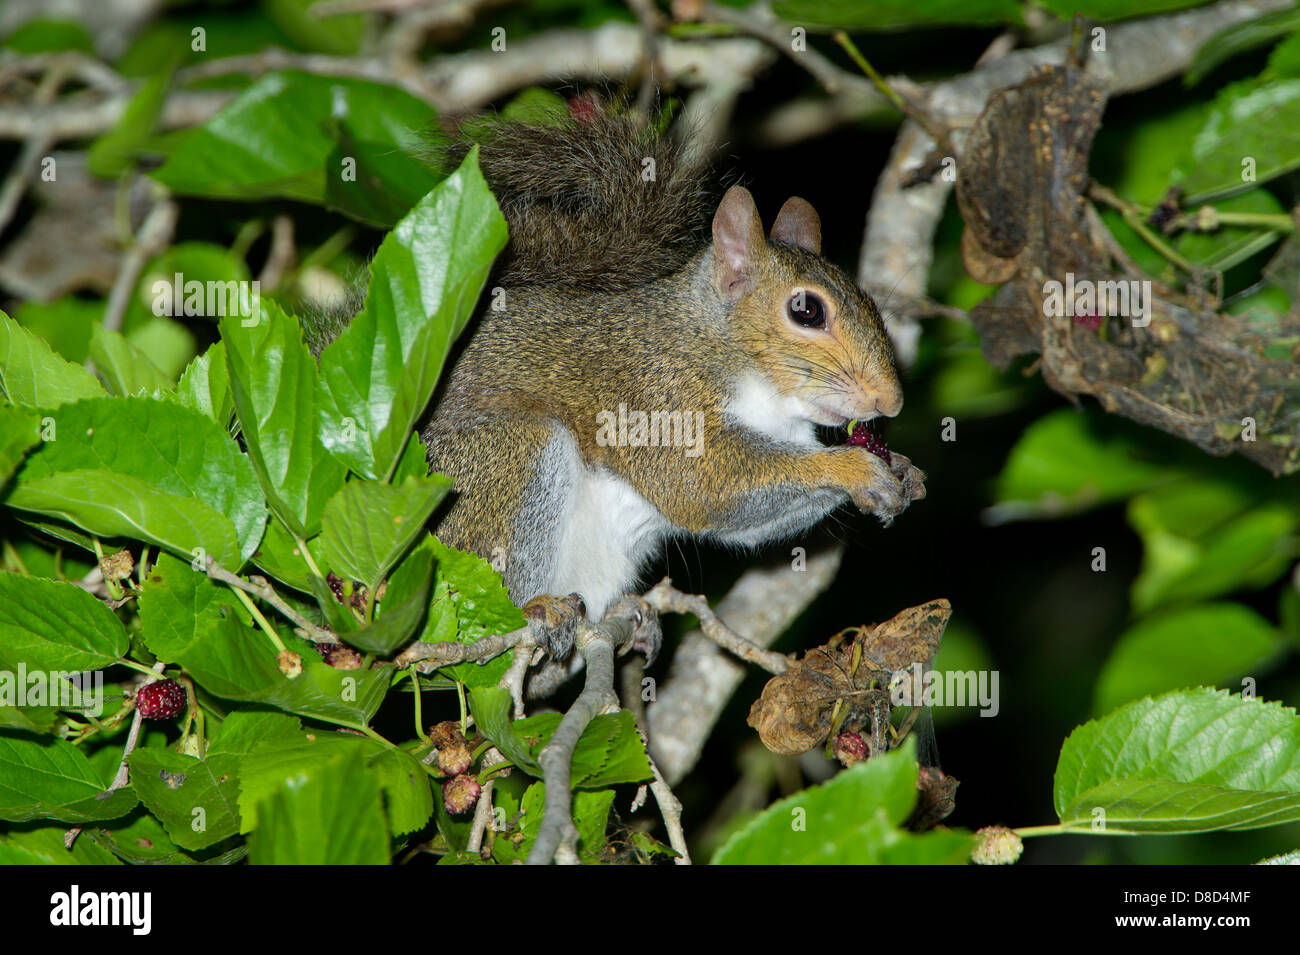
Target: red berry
(161, 700)
(864, 437)
(1088, 321)
(850, 748)
(336, 585)
(460, 793)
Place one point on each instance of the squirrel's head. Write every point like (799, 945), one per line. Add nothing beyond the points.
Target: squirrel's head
(813, 333)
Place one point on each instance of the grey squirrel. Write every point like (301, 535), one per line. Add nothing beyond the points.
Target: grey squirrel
(631, 380)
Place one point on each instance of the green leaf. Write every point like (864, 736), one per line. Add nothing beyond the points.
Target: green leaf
(852, 820)
(470, 602)
(1248, 121)
(113, 152)
(190, 280)
(275, 138)
(19, 431)
(52, 779)
(125, 449)
(1061, 465)
(1201, 645)
(1200, 540)
(609, 753)
(1190, 761)
(272, 378)
(1237, 39)
(340, 35)
(205, 385)
(195, 799)
(325, 814)
(1115, 9)
(126, 371)
(405, 603)
(49, 36)
(280, 557)
(377, 377)
(366, 527)
(31, 374)
(169, 345)
(186, 618)
(139, 840)
(45, 846)
(66, 324)
(385, 183)
(403, 782)
(882, 15)
(108, 504)
(50, 625)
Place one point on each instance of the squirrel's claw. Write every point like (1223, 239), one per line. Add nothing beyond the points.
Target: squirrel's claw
(909, 475)
(552, 620)
(889, 488)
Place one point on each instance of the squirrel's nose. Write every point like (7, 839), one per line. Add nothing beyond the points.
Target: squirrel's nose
(889, 400)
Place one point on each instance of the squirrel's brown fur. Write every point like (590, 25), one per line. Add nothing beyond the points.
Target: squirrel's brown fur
(597, 203)
(613, 297)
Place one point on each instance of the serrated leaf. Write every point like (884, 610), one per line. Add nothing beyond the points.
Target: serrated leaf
(195, 799)
(109, 504)
(403, 608)
(272, 380)
(51, 625)
(205, 385)
(854, 819)
(366, 527)
(403, 782)
(377, 377)
(469, 602)
(188, 619)
(19, 431)
(1188, 761)
(45, 846)
(52, 779)
(126, 371)
(33, 375)
(133, 444)
(610, 751)
(327, 814)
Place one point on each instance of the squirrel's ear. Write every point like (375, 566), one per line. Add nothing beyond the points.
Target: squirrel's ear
(737, 239)
(799, 225)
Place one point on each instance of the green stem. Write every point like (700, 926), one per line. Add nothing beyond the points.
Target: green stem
(1055, 830)
(306, 555)
(137, 666)
(1273, 221)
(415, 688)
(261, 620)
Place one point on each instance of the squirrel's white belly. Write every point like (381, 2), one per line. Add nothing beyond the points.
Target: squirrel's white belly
(610, 533)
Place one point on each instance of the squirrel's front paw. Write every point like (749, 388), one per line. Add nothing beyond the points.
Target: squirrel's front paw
(887, 489)
(552, 620)
(909, 476)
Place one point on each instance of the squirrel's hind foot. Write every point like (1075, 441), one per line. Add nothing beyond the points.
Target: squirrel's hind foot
(552, 620)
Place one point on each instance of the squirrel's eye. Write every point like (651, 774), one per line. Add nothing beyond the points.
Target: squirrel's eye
(807, 310)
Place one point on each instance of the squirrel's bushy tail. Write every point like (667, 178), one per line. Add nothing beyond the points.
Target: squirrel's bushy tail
(594, 201)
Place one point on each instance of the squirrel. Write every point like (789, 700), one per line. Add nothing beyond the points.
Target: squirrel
(636, 378)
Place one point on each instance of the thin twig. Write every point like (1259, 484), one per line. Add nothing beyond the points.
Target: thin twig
(261, 588)
(155, 233)
(666, 598)
(557, 836)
